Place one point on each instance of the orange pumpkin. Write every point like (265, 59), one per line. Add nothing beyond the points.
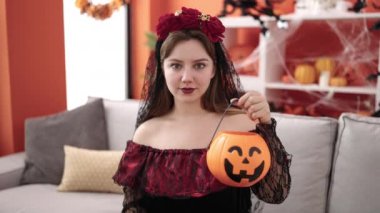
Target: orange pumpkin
(238, 159)
(305, 74)
(338, 81)
(325, 64)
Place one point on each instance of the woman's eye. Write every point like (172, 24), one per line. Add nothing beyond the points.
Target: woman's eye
(200, 66)
(175, 66)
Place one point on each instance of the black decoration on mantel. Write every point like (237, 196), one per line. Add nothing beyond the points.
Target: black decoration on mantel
(246, 7)
(375, 26)
(373, 76)
(358, 6)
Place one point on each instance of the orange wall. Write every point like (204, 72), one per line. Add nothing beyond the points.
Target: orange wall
(32, 67)
(5, 108)
(140, 24)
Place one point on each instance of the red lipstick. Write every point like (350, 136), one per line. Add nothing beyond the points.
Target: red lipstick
(187, 90)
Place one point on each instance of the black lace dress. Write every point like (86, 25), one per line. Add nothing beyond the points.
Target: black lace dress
(178, 180)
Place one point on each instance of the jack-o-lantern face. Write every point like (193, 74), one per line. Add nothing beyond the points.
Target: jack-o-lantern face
(238, 159)
(239, 165)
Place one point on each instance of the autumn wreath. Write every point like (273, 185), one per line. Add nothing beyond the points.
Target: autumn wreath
(99, 11)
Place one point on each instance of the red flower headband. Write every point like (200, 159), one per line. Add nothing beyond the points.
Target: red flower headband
(190, 19)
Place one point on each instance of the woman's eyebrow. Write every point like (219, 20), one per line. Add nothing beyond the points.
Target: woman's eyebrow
(173, 59)
(196, 60)
(202, 59)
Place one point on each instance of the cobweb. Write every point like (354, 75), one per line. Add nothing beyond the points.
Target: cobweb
(350, 43)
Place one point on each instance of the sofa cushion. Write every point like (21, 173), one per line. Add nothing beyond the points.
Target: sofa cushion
(355, 181)
(310, 140)
(90, 170)
(45, 137)
(40, 198)
(121, 120)
(11, 168)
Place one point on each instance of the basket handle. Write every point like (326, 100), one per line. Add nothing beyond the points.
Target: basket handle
(221, 119)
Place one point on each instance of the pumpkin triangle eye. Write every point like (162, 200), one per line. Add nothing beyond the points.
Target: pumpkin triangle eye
(253, 150)
(236, 148)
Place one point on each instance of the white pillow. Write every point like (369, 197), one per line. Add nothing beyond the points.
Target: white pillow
(311, 141)
(90, 170)
(355, 183)
(121, 118)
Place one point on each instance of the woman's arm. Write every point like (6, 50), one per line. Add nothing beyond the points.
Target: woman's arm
(130, 202)
(275, 186)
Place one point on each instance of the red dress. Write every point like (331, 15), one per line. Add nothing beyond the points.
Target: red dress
(153, 169)
(179, 178)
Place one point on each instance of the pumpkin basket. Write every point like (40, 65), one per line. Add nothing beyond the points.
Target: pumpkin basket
(238, 159)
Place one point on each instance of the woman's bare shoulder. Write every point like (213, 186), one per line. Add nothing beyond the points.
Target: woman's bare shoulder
(146, 131)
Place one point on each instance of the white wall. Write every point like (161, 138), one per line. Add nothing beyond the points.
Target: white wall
(96, 55)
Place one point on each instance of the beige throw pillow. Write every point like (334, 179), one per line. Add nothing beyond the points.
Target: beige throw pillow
(90, 170)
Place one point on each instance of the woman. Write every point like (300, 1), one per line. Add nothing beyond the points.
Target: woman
(189, 83)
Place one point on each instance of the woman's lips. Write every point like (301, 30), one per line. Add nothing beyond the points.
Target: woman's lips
(187, 90)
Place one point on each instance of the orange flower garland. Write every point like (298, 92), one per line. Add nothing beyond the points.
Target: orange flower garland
(99, 11)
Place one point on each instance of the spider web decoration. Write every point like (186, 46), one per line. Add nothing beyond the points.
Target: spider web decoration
(354, 49)
(350, 43)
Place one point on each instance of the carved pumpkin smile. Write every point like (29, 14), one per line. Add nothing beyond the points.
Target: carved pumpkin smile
(243, 173)
(238, 159)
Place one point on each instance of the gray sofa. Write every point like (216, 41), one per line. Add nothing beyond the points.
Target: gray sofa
(334, 169)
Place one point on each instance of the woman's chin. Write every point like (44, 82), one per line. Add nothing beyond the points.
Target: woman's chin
(188, 98)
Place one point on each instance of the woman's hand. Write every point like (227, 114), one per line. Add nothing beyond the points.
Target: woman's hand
(256, 106)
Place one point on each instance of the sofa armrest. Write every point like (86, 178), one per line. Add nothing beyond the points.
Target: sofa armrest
(11, 168)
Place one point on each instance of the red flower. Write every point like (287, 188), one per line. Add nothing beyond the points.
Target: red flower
(214, 29)
(190, 11)
(189, 18)
(167, 24)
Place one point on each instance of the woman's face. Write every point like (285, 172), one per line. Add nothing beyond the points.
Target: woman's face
(188, 71)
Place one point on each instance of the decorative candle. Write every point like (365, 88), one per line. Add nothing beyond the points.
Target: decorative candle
(324, 78)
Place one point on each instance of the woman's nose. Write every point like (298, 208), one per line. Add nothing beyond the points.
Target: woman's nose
(187, 75)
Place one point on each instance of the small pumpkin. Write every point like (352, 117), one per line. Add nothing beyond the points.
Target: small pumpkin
(338, 81)
(305, 74)
(238, 159)
(325, 64)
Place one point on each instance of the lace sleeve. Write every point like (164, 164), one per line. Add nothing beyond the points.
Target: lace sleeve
(275, 186)
(130, 202)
